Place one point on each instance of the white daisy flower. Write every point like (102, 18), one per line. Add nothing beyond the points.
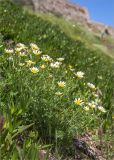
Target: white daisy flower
(90, 85)
(102, 109)
(46, 58)
(79, 74)
(60, 59)
(61, 84)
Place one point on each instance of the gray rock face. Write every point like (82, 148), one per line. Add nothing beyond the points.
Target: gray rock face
(65, 9)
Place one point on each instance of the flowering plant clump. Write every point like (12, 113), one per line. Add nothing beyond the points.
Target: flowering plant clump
(47, 93)
(29, 91)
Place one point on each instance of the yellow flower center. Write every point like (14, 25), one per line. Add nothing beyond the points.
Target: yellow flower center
(61, 85)
(42, 66)
(78, 102)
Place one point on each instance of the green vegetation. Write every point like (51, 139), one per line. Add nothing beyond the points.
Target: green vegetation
(46, 101)
(76, 32)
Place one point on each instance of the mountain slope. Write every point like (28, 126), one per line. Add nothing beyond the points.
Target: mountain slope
(20, 26)
(46, 101)
(77, 32)
(69, 11)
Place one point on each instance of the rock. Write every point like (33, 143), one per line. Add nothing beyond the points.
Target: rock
(83, 147)
(100, 28)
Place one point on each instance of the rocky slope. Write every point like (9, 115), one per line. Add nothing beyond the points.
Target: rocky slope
(65, 9)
